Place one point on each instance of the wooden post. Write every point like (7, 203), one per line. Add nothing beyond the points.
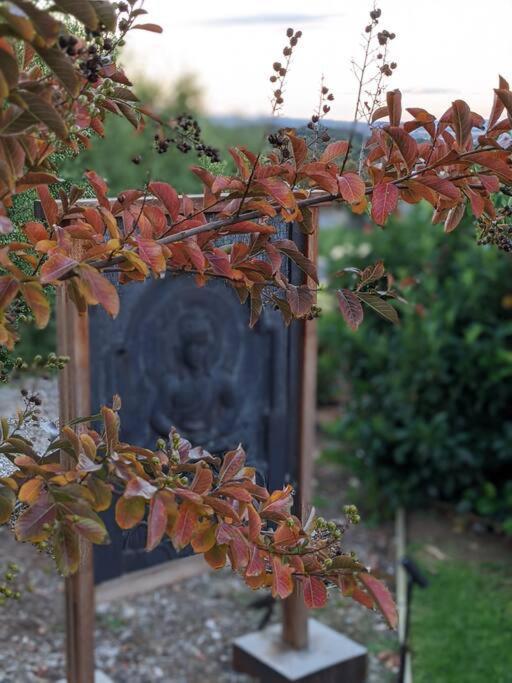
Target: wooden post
(74, 401)
(295, 614)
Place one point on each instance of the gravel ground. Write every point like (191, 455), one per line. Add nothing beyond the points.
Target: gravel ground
(180, 633)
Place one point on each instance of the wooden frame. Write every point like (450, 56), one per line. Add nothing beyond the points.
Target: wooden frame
(74, 401)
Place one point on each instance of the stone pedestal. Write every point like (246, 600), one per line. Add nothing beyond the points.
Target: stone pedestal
(329, 658)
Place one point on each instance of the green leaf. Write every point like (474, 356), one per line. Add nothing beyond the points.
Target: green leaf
(7, 502)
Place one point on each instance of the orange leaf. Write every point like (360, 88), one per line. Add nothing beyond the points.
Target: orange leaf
(151, 253)
(315, 592)
(57, 265)
(37, 301)
(99, 290)
(351, 187)
(35, 232)
(216, 556)
(334, 150)
(185, 524)
(8, 290)
(129, 512)
(203, 538)
(282, 581)
(255, 524)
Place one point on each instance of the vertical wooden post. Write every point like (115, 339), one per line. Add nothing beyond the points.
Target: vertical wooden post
(74, 401)
(295, 614)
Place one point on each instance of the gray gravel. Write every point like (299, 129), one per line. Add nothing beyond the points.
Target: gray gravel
(178, 634)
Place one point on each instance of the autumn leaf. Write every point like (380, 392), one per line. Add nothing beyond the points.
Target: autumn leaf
(56, 266)
(98, 290)
(382, 597)
(37, 301)
(168, 196)
(216, 556)
(129, 512)
(282, 581)
(350, 308)
(351, 187)
(151, 253)
(157, 521)
(7, 502)
(315, 592)
(204, 538)
(31, 525)
(185, 525)
(384, 201)
(334, 150)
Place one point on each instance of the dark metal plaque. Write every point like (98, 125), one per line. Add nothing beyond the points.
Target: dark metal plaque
(184, 356)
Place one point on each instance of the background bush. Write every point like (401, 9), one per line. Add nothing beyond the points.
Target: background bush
(426, 409)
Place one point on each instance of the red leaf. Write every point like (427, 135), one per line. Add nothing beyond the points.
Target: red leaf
(394, 102)
(154, 28)
(232, 463)
(461, 121)
(100, 188)
(382, 597)
(139, 487)
(455, 215)
(50, 208)
(405, 144)
(168, 196)
(203, 479)
(29, 526)
(256, 565)
(278, 504)
(255, 524)
(384, 200)
(351, 187)
(8, 290)
(350, 308)
(57, 265)
(291, 250)
(315, 592)
(443, 187)
(151, 253)
(157, 521)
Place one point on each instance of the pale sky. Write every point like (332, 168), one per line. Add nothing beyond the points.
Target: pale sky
(445, 49)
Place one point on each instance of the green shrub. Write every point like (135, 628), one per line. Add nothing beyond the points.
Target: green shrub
(426, 409)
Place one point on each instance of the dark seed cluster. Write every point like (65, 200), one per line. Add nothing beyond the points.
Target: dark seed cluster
(186, 137)
(498, 231)
(280, 70)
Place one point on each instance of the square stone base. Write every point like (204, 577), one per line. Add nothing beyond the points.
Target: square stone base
(329, 658)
